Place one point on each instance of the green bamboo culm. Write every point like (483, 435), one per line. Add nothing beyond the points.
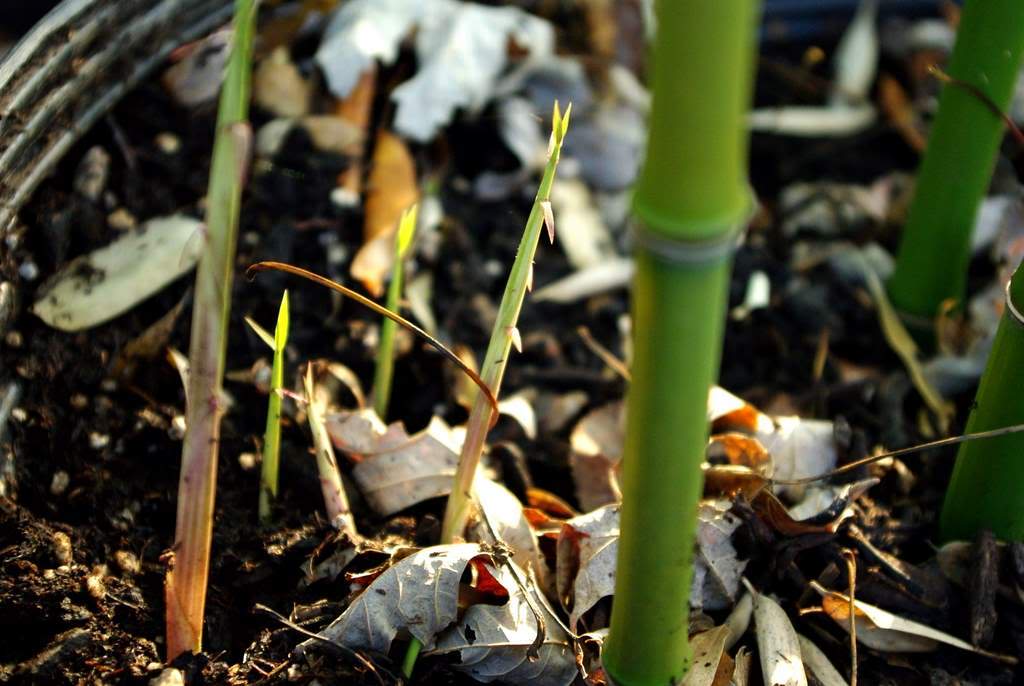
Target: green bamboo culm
(931, 267)
(985, 489)
(385, 369)
(691, 199)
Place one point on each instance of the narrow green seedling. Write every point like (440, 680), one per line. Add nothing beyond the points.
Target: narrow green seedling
(691, 202)
(386, 350)
(935, 250)
(272, 434)
(185, 586)
(504, 336)
(984, 492)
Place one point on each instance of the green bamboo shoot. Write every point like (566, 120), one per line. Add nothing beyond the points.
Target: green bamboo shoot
(185, 585)
(935, 250)
(984, 492)
(691, 200)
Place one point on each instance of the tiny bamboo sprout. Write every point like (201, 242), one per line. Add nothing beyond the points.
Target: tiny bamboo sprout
(503, 336)
(335, 500)
(272, 435)
(386, 352)
(957, 165)
(185, 585)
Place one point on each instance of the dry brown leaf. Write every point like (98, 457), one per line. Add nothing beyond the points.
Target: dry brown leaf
(493, 641)
(587, 548)
(356, 109)
(711, 664)
(395, 470)
(818, 664)
(596, 444)
(391, 189)
(777, 644)
(278, 87)
(886, 632)
(419, 595)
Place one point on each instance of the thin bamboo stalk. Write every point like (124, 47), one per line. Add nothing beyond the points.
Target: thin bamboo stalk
(185, 586)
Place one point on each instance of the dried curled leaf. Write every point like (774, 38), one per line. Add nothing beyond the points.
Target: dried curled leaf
(588, 545)
(419, 595)
(395, 470)
(494, 641)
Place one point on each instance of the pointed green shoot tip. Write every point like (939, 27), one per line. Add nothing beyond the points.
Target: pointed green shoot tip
(406, 231)
(283, 322)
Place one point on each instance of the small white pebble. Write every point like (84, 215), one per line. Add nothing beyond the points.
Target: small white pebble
(122, 220)
(60, 482)
(62, 548)
(98, 441)
(128, 562)
(94, 582)
(247, 461)
(168, 677)
(79, 401)
(343, 198)
(28, 270)
(177, 430)
(19, 414)
(167, 142)
(13, 339)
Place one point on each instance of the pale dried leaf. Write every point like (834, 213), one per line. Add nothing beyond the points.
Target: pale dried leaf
(777, 644)
(196, 78)
(419, 595)
(887, 632)
(605, 276)
(401, 470)
(278, 87)
(584, 237)
(493, 640)
(738, 620)
(588, 545)
(504, 513)
(596, 442)
(461, 49)
(818, 663)
(97, 287)
(711, 665)
(549, 220)
(813, 122)
(856, 56)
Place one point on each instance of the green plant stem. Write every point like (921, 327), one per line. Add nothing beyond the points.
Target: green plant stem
(984, 491)
(272, 435)
(457, 511)
(935, 250)
(692, 191)
(385, 369)
(185, 586)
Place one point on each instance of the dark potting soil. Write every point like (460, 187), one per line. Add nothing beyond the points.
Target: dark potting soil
(82, 545)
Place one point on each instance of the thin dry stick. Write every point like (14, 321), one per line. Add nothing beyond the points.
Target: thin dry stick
(1018, 135)
(941, 443)
(851, 572)
(606, 355)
